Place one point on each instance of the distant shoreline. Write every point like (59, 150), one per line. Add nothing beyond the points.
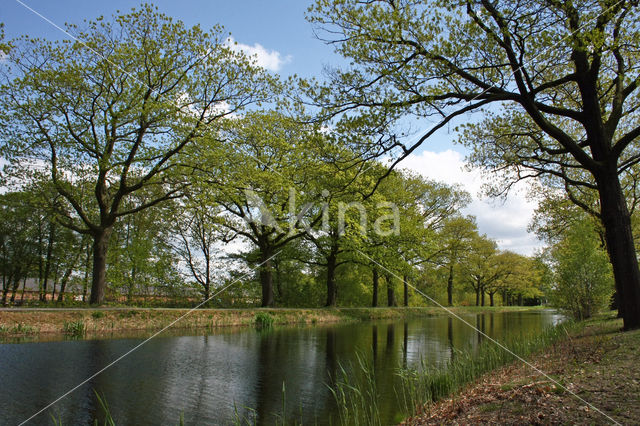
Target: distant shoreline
(34, 324)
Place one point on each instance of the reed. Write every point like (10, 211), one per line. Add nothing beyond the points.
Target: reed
(357, 397)
(263, 320)
(74, 328)
(356, 394)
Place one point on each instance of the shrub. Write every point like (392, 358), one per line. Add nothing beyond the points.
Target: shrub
(74, 328)
(583, 277)
(21, 328)
(263, 320)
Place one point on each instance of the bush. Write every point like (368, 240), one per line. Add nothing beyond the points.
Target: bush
(74, 328)
(263, 320)
(97, 314)
(583, 277)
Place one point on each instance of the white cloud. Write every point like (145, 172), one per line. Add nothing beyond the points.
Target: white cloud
(505, 221)
(268, 59)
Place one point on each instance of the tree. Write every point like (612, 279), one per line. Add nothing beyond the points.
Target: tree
(260, 171)
(197, 231)
(482, 267)
(583, 280)
(140, 259)
(339, 233)
(426, 208)
(455, 240)
(520, 276)
(558, 82)
(18, 240)
(106, 116)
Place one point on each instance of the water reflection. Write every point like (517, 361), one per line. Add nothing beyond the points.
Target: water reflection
(214, 378)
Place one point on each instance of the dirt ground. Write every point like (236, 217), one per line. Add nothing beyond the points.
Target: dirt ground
(593, 379)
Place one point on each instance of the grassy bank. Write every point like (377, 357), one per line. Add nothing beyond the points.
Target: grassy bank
(357, 397)
(595, 361)
(91, 322)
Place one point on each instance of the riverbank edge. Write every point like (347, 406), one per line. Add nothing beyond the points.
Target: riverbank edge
(596, 361)
(94, 322)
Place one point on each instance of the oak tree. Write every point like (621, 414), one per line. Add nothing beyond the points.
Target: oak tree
(112, 109)
(557, 81)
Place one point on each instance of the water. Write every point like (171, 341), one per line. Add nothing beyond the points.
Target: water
(213, 378)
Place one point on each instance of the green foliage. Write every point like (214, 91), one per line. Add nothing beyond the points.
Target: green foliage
(357, 396)
(21, 328)
(108, 123)
(356, 393)
(263, 320)
(74, 328)
(97, 314)
(583, 277)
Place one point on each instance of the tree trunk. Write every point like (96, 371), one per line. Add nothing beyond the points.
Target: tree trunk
(56, 275)
(490, 299)
(132, 282)
(520, 299)
(5, 292)
(391, 294)
(98, 278)
(206, 294)
(16, 286)
(478, 296)
(280, 298)
(331, 280)
(24, 288)
(207, 277)
(266, 279)
(47, 265)
(85, 281)
(66, 276)
(482, 298)
(450, 286)
(621, 248)
(376, 278)
(405, 282)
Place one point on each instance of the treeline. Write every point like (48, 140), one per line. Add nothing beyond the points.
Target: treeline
(134, 166)
(178, 253)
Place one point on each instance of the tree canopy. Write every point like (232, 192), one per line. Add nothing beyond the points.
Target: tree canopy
(556, 83)
(105, 117)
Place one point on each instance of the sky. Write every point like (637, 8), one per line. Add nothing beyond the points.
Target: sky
(282, 41)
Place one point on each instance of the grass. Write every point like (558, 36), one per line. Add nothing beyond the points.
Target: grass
(74, 328)
(430, 384)
(357, 397)
(97, 314)
(597, 359)
(263, 320)
(105, 413)
(110, 320)
(18, 329)
(356, 394)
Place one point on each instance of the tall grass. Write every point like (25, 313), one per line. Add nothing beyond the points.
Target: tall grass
(356, 394)
(108, 420)
(263, 320)
(19, 329)
(74, 328)
(357, 397)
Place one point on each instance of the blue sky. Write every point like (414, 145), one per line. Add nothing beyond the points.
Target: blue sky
(277, 25)
(276, 30)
